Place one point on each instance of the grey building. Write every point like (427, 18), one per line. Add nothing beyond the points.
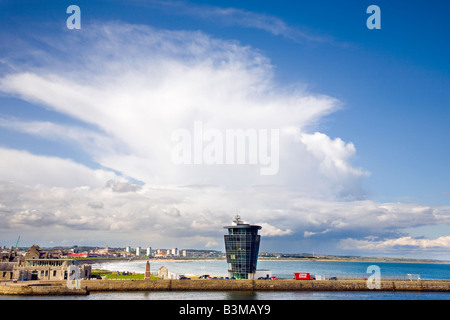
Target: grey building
(242, 248)
(49, 269)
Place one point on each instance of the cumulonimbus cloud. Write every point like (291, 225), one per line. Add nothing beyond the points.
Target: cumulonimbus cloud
(138, 85)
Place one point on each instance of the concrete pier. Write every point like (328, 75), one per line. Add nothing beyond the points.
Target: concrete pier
(60, 288)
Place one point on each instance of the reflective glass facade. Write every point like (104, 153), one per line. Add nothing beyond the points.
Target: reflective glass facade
(242, 248)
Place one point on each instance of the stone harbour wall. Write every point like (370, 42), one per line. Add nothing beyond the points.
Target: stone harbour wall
(39, 288)
(268, 285)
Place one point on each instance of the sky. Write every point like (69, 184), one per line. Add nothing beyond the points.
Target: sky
(120, 124)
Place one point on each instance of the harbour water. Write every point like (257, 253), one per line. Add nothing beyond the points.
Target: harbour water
(243, 296)
(285, 268)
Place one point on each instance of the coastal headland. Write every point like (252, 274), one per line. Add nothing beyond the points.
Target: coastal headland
(92, 286)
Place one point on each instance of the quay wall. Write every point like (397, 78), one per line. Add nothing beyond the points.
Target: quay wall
(87, 286)
(39, 288)
(264, 285)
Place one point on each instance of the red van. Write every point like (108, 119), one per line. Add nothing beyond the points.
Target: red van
(303, 276)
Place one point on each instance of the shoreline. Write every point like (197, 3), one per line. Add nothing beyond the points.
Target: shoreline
(374, 260)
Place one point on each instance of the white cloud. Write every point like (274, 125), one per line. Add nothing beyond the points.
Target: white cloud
(95, 142)
(271, 231)
(389, 244)
(29, 169)
(308, 234)
(332, 155)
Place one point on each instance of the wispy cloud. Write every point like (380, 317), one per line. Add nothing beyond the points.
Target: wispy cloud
(239, 17)
(29, 169)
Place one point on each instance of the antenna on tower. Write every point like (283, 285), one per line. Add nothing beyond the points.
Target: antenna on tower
(237, 219)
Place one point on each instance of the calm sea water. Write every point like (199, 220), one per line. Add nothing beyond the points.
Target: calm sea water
(281, 269)
(286, 268)
(244, 295)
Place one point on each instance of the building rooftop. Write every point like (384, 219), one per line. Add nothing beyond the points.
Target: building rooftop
(238, 223)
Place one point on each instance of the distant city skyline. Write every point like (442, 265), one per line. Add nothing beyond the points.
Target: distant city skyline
(325, 122)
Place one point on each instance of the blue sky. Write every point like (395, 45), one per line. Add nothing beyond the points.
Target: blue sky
(85, 117)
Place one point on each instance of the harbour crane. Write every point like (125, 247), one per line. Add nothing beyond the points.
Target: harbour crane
(17, 243)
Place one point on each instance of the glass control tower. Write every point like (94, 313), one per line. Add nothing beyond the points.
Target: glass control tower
(242, 247)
